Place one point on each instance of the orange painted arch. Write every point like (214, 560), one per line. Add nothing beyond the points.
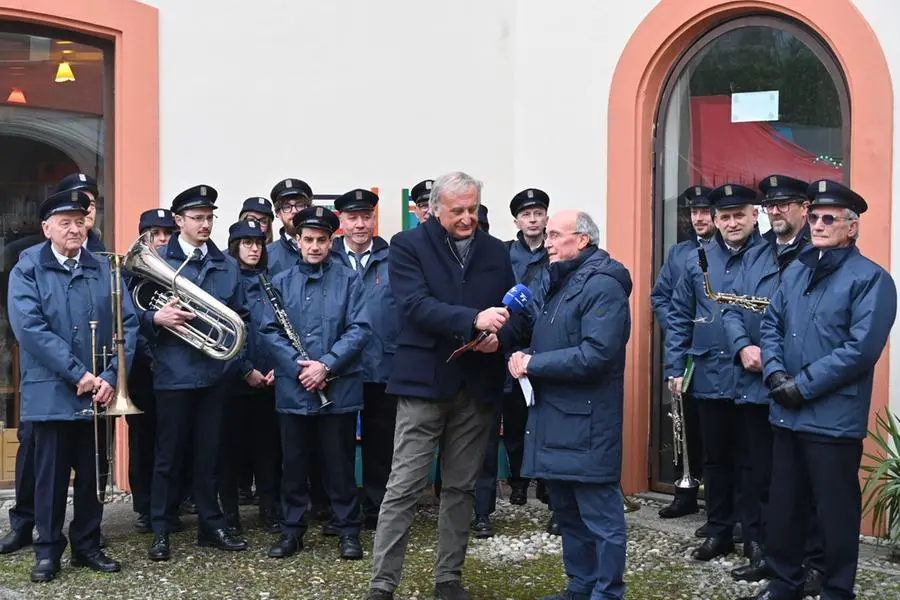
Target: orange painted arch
(133, 28)
(636, 90)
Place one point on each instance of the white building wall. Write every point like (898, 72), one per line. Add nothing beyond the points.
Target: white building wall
(883, 16)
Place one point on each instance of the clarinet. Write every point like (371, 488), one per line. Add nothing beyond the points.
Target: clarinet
(288, 329)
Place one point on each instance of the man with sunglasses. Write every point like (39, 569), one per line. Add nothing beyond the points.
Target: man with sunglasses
(289, 197)
(784, 201)
(822, 334)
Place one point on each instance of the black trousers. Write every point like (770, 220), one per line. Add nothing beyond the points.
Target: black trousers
(826, 469)
(335, 436)
(720, 430)
(188, 424)
(756, 447)
(21, 515)
(142, 450)
(379, 417)
(511, 416)
(60, 447)
(250, 434)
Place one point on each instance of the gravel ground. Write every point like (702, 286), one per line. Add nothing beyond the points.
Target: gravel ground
(520, 563)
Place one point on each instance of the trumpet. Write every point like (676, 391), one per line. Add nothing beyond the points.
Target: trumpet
(756, 304)
(679, 443)
(226, 333)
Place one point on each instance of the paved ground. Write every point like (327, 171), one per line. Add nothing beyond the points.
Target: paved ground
(521, 563)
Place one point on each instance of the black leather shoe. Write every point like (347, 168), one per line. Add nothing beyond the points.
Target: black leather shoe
(44, 570)
(757, 570)
(380, 595)
(451, 590)
(233, 522)
(142, 524)
(702, 531)
(814, 582)
(96, 561)
(712, 548)
(221, 539)
(288, 545)
(552, 525)
(350, 547)
(481, 528)
(519, 496)
(15, 540)
(679, 508)
(160, 549)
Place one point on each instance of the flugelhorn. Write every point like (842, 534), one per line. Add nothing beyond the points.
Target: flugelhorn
(226, 333)
(753, 303)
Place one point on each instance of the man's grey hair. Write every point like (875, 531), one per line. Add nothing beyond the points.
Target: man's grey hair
(585, 224)
(852, 216)
(457, 182)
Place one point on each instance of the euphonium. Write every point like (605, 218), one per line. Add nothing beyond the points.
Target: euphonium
(753, 303)
(226, 329)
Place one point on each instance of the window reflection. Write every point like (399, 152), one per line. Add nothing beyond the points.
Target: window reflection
(51, 125)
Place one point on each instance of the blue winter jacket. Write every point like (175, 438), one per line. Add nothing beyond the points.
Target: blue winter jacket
(826, 327)
(176, 364)
(282, 253)
(577, 369)
(695, 326)
(533, 266)
(383, 313)
(760, 276)
(669, 274)
(50, 310)
(326, 306)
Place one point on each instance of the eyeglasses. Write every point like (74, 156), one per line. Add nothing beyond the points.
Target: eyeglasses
(780, 207)
(201, 218)
(251, 243)
(260, 220)
(555, 235)
(827, 220)
(292, 207)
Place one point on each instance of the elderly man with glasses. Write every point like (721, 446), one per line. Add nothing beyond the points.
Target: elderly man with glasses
(822, 334)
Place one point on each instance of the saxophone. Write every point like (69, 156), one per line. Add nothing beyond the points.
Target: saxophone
(756, 304)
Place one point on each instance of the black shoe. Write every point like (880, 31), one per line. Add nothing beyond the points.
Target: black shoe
(15, 540)
(233, 522)
(814, 582)
(519, 496)
(188, 506)
(451, 590)
(552, 525)
(44, 570)
(288, 545)
(96, 561)
(350, 547)
(702, 531)
(142, 524)
(712, 548)
(160, 549)
(221, 539)
(380, 595)
(757, 570)
(737, 534)
(482, 527)
(679, 508)
(245, 497)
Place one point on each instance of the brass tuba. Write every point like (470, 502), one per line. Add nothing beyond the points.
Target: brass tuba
(160, 283)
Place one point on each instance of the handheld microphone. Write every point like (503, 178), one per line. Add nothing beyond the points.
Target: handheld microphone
(515, 300)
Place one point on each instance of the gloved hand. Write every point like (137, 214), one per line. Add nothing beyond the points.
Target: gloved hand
(776, 379)
(788, 395)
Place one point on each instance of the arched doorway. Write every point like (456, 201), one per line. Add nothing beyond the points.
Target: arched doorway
(753, 96)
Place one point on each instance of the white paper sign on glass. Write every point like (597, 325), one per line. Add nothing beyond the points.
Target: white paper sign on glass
(750, 107)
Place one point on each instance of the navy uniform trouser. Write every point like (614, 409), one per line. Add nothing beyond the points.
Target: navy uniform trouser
(379, 419)
(722, 464)
(756, 446)
(188, 424)
(60, 447)
(335, 438)
(591, 521)
(21, 515)
(141, 450)
(513, 415)
(826, 469)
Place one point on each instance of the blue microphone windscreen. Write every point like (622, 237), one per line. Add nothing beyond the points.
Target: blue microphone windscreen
(517, 298)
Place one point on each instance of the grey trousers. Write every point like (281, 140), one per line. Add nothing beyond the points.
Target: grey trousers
(462, 427)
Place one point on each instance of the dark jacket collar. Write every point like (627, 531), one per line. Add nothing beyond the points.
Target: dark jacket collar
(830, 261)
(520, 237)
(314, 271)
(562, 270)
(785, 254)
(48, 260)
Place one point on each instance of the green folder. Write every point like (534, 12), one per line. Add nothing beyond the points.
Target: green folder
(688, 373)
